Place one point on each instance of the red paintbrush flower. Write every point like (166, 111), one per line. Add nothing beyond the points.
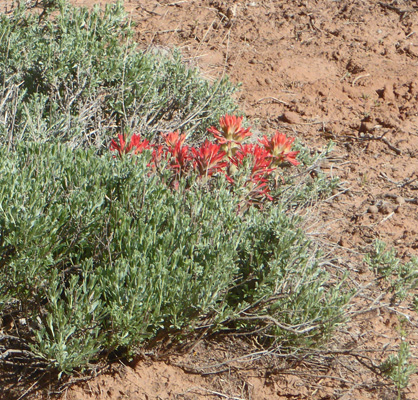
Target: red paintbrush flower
(180, 157)
(174, 138)
(134, 144)
(261, 159)
(158, 154)
(139, 145)
(245, 150)
(121, 147)
(262, 162)
(232, 133)
(208, 159)
(279, 147)
(259, 190)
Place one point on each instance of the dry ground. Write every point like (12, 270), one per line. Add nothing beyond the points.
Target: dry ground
(341, 70)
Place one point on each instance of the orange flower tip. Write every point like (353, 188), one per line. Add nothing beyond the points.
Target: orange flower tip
(174, 138)
(293, 161)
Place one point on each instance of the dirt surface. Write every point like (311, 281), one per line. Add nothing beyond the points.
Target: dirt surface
(341, 70)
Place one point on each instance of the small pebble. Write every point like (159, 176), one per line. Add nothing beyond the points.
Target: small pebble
(291, 117)
(268, 81)
(400, 200)
(231, 12)
(373, 210)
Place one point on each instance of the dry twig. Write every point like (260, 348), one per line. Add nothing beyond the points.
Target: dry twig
(359, 77)
(384, 140)
(194, 388)
(274, 100)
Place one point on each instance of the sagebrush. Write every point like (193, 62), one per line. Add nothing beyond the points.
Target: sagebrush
(79, 77)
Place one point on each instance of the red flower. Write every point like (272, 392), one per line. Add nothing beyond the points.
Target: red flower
(140, 146)
(261, 159)
(232, 133)
(174, 138)
(257, 184)
(208, 159)
(119, 147)
(181, 157)
(262, 162)
(245, 150)
(134, 144)
(259, 191)
(157, 155)
(279, 147)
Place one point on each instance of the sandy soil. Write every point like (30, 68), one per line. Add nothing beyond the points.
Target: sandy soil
(345, 70)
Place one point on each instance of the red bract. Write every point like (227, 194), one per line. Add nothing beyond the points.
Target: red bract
(134, 144)
(174, 138)
(225, 157)
(257, 184)
(278, 144)
(208, 159)
(262, 162)
(232, 133)
(121, 147)
(261, 159)
(245, 150)
(157, 155)
(141, 146)
(259, 191)
(181, 157)
(279, 147)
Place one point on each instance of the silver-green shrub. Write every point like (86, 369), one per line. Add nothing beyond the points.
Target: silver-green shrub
(78, 77)
(101, 255)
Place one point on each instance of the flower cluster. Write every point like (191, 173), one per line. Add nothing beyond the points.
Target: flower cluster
(232, 134)
(227, 156)
(135, 145)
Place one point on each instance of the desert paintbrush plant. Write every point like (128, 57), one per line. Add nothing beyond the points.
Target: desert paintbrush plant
(229, 157)
(135, 145)
(279, 149)
(231, 135)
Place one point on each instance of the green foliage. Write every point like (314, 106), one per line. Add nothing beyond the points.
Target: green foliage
(102, 256)
(280, 279)
(402, 277)
(78, 77)
(397, 367)
(305, 189)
